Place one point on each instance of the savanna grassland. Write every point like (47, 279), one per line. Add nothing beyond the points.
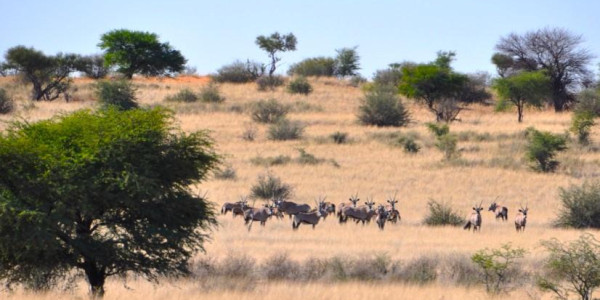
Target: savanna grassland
(371, 164)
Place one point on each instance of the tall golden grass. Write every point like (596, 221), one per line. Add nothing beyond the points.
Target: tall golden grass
(367, 166)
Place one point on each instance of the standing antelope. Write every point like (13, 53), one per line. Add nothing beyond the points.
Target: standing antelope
(238, 210)
(499, 211)
(290, 208)
(353, 200)
(230, 206)
(382, 216)
(329, 209)
(311, 217)
(475, 219)
(521, 219)
(261, 214)
(363, 213)
(393, 214)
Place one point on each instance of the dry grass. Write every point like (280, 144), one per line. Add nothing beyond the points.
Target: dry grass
(489, 168)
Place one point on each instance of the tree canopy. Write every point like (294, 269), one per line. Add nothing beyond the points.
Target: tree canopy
(524, 88)
(276, 43)
(554, 50)
(106, 193)
(347, 62)
(48, 75)
(138, 52)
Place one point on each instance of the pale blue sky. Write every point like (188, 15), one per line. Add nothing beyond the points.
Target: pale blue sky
(211, 34)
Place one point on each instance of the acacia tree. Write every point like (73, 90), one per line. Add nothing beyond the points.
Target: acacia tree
(138, 52)
(524, 88)
(48, 75)
(276, 43)
(106, 193)
(347, 62)
(554, 50)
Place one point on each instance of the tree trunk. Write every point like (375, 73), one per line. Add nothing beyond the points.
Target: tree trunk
(95, 278)
(520, 112)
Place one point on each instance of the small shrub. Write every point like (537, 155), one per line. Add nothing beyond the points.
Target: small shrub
(588, 101)
(120, 94)
(249, 133)
(268, 111)
(299, 86)
(92, 66)
(271, 161)
(314, 268)
(445, 141)
(211, 94)
(542, 149)
(240, 72)
(237, 265)
(421, 270)
(580, 206)
(306, 158)
(269, 187)
(382, 107)
(582, 125)
(369, 268)
(7, 104)
(317, 66)
(409, 144)
(184, 95)
(280, 267)
(285, 130)
(390, 76)
(496, 265)
(339, 137)
(225, 173)
(442, 214)
(269, 82)
(357, 80)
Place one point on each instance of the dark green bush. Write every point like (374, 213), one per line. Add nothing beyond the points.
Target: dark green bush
(120, 94)
(382, 107)
(542, 148)
(445, 141)
(581, 125)
(411, 146)
(299, 86)
(589, 101)
(269, 82)
(184, 95)
(270, 160)
(268, 111)
(339, 137)
(580, 206)
(225, 173)
(285, 130)
(210, 93)
(442, 214)
(92, 66)
(240, 72)
(317, 66)
(7, 104)
(270, 186)
(390, 76)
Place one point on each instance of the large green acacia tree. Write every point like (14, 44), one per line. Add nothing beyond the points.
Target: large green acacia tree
(138, 52)
(524, 88)
(103, 192)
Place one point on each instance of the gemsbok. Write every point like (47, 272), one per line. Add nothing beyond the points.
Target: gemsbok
(521, 219)
(238, 210)
(329, 209)
(261, 214)
(382, 216)
(290, 208)
(474, 219)
(230, 206)
(501, 212)
(312, 217)
(363, 213)
(353, 200)
(393, 214)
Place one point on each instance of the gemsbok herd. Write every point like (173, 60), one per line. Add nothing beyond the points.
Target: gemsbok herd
(304, 214)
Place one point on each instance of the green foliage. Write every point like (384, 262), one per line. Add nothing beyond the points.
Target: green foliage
(276, 43)
(382, 107)
(442, 214)
(120, 94)
(588, 101)
(339, 137)
(211, 94)
(347, 62)
(445, 141)
(299, 86)
(48, 75)
(580, 206)
(503, 63)
(92, 66)
(410, 145)
(581, 125)
(269, 82)
(285, 130)
(496, 265)
(240, 72)
(7, 104)
(184, 95)
(438, 87)
(317, 66)
(271, 160)
(542, 148)
(138, 52)
(390, 76)
(268, 111)
(523, 89)
(270, 186)
(573, 267)
(105, 192)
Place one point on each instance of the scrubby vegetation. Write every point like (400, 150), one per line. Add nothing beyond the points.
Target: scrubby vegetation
(120, 94)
